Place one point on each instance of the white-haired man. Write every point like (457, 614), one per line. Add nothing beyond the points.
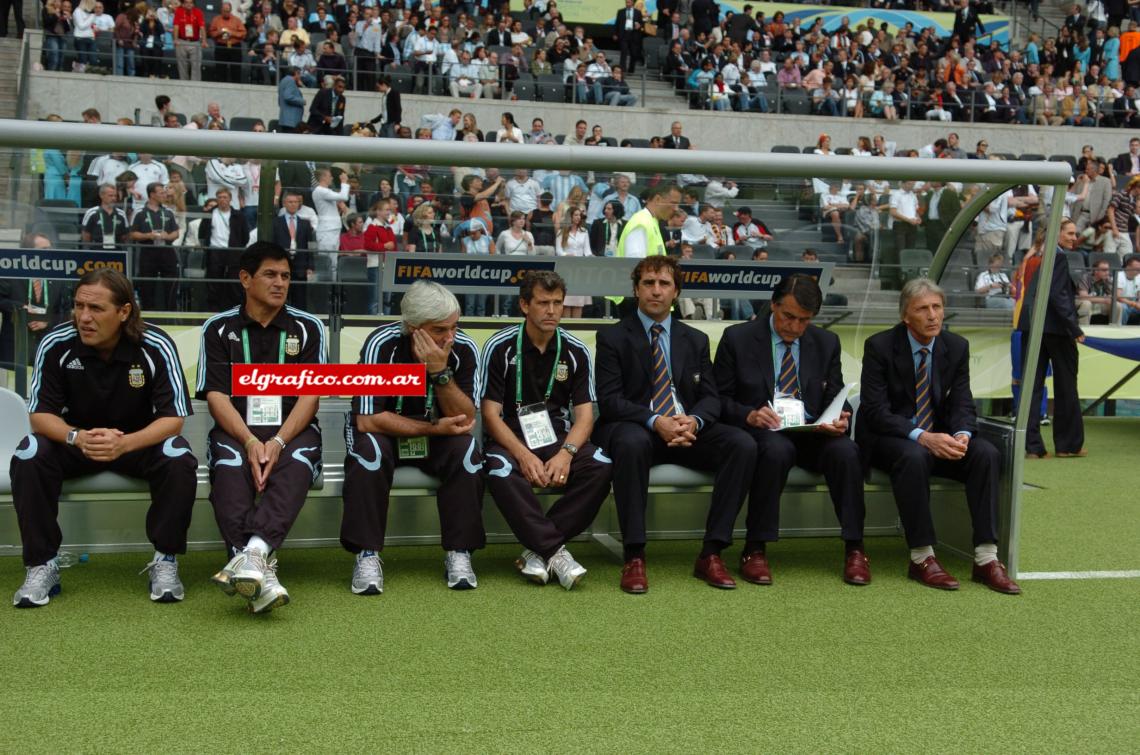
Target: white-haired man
(432, 433)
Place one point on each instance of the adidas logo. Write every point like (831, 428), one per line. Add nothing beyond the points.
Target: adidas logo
(233, 336)
(75, 364)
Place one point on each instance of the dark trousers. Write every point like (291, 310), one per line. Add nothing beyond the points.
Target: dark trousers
(836, 458)
(911, 466)
(726, 451)
(39, 467)
(229, 63)
(158, 262)
(240, 515)
(221, 272)
(7, 6)
(1068, 424)
(369, 467)
(584, 492)
(628, 44)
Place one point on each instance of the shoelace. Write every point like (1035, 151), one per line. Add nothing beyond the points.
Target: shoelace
(369, 566)
(460, 562)
(269, 569)
(161, 570)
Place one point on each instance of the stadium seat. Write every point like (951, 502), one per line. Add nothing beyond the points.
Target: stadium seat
(704, 252)
(491, 136)
(560, 139)
(786, 149)
(638, 143)
(1032, 156)
(795, 103)
(526, 89)
(1072, 161)
(552, 88)
(242, 123)
(403, 82)
(915, 263)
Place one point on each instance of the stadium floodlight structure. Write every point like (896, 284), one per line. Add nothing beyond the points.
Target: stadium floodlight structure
(998, 175)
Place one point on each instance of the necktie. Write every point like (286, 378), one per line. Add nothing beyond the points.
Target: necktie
(292, 227)
(662, 401)
(923, 414)
(789, 382)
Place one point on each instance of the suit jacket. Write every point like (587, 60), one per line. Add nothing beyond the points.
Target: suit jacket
(887, 387)
(1100, 194)
(619, 24)
(1122, 163)
(745, 373)
(684, 142)
(1061, 311)
(322, 106)
(302, 259)
(239, 231)
(290, 103)
(495, 38)
(598, 236)
(624, 373)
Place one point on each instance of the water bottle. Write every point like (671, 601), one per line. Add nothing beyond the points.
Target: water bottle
(65, 559)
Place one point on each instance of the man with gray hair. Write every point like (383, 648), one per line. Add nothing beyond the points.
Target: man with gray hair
(915, 427)
(432, 433)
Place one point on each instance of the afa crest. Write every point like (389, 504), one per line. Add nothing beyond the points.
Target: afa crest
(292, 346)
(136, 378)
(563, 373)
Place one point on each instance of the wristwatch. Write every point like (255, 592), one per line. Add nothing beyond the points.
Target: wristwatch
(441, 378)
(573, 449)
(72, 436)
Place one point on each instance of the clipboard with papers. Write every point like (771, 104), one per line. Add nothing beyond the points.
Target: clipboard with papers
(829, 415)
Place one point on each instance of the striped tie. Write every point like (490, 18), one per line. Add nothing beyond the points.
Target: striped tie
(662, 401)
(923, 416)
(789, 383)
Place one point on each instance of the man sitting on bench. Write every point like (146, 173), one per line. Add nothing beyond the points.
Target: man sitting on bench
(108, 394)
(266, 447)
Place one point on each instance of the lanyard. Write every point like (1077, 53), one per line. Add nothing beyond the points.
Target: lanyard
(519, 364)
(114, 224)
(31, 299)
(427, 406)
(424, 239)
(245, 347)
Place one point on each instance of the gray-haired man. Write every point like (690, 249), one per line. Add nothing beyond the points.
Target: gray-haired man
(432, 433)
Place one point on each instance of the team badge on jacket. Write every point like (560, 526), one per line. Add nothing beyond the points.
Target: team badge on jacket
(292, 346)
(135, 377)
(563, 373)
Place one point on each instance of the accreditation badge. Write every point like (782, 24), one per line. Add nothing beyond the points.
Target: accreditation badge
(415, 447)
(135, 377)
(263, 411)
(790, 411)
(292, 346)
(534, 421)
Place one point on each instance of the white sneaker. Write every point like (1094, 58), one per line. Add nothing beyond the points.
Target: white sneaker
(368, 574)
(458, 571)
(41, 584)
(531, 566)
(165, 586)
(273, 593)
(224, 578)
(248, 573)
(568, 571)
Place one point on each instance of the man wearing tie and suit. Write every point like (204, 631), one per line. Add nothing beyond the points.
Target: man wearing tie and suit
(294, 234)
(809, 371)
(627, 32)
(326, 114)
(917, 419)
(658, 403)
(676, 140)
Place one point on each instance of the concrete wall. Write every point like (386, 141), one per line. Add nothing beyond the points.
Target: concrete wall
(69, 94)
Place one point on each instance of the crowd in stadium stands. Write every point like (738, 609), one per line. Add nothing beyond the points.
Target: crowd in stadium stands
(354, 210)
(1086, 75)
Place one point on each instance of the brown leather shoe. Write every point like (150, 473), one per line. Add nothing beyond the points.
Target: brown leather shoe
(857, 570)
(993, 576)
(1073, 454)
(931, 574)
(1042, 455)
(713, 571)
(754, 569)
(633, 578)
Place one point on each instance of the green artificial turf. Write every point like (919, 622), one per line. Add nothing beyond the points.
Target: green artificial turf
(807, 665)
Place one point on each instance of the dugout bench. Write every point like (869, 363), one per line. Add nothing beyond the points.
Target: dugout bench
(106, 512)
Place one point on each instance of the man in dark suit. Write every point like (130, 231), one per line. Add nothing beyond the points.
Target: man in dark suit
(675, 140)
(1128, 163)
(917, 419)
(391, 113)
(1062, 332)
(224, 235)
(658, 404)
(295, 235)
(966, 21)
(627, 32)
(326, 113)
(810, 372)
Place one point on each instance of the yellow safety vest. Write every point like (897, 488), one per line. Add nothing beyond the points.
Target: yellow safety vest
(654, 243)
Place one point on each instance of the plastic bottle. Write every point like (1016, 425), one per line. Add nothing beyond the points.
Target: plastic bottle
(65, 559)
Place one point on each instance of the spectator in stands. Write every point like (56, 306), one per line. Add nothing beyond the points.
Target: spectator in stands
(391, 109)
(1128, 163)
(516, 239)
(464, 78)
(189, 39)
(154, 229)
(560, 184)
(788, 77)
(541, 225)
(105, 226)
(578, 138)
(290, 101)
(326, 111)
(228, 32)
(903, 218)
(1121, 214)
(443, 126)
(606, 230)
(223, 233)
(749, 232)
(832, 204)
(993, 284)
(56, 23)
(509, 131)
(1128, 291)
(330, 62)
(328, 203)
(573, 240)
(83, 35)
(302, 60)
(1095, 295)
(522, 192)
(293, 32)
(1087, 211)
